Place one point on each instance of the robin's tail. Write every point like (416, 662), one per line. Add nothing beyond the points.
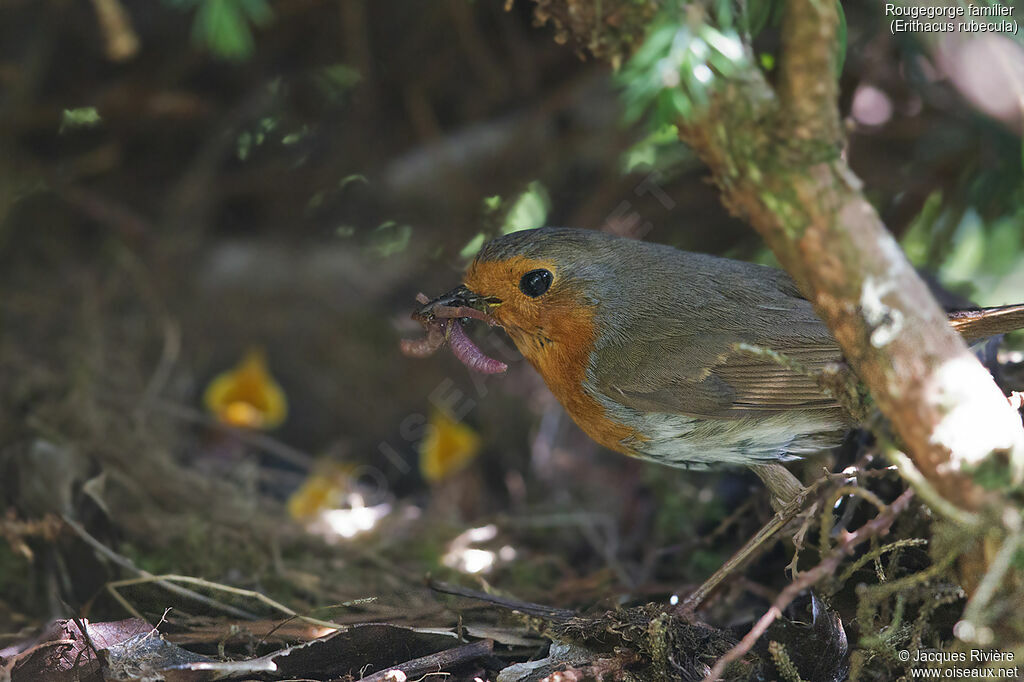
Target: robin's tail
(977, 324)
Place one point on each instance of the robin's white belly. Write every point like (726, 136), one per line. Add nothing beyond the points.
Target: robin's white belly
(691, 442)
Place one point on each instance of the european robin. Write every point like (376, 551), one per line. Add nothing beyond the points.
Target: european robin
(648, 348)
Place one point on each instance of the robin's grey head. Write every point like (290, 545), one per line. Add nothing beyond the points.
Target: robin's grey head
(538, 280)
(532, 264)
(535, 274)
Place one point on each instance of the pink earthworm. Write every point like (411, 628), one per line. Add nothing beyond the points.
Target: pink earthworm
(428, 345)
(441, 325)
(468, 353)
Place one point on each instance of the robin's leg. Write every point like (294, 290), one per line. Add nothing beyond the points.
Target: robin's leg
(783, 486)
(787, 495)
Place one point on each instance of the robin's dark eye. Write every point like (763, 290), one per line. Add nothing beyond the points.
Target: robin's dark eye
(536, 282)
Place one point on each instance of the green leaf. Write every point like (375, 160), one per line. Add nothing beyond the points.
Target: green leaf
(390, 238)
(336, 80)
(295, 137)
(349, 179)
(1003, 250)
(679, 64)
(220, 26)
(757, 15)
(968, 251)
(223, 26)
(660, 149)
(81, 117)
(530, 209)
(723, 13)
(243, 145)
(472, 246)
(728, 45)
(918, 238)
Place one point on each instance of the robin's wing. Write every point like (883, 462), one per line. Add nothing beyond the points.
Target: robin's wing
(690, 363)
(673, 376)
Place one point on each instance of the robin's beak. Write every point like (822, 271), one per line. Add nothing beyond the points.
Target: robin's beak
(459, 297)
(462, 296)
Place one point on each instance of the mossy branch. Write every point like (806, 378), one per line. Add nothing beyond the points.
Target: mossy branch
(807, 90)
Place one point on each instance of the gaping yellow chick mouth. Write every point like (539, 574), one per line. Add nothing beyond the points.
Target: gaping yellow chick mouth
(442, 320)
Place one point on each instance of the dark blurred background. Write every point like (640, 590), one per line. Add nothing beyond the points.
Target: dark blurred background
(183, 180)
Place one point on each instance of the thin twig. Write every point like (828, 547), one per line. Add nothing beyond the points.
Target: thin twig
(927, 492)
(84, 629)
(251, 594)
(436, 663)
(874, 528)
(826, 516)
(875, 553)
(527, 608)
(127, 563)
(168, 357)
(754, 545)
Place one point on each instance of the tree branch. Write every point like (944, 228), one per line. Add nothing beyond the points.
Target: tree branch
(808, 90)
(942, 403)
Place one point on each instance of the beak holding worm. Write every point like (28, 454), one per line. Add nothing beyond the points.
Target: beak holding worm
(441, 319)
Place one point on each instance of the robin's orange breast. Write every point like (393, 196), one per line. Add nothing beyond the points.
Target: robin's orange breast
(561, 353)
